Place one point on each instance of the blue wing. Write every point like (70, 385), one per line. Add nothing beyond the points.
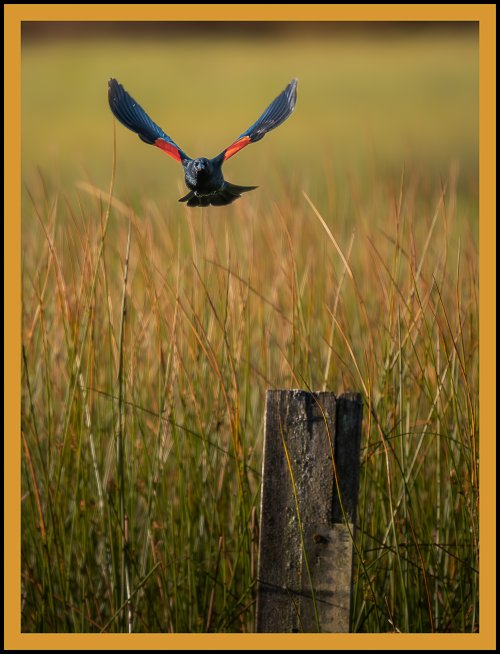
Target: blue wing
(277, 112)
(133, 116)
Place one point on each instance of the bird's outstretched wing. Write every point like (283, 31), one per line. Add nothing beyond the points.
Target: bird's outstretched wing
(277, 112)
(133, 116)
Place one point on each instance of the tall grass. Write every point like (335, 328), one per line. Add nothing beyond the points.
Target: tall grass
(142, 417)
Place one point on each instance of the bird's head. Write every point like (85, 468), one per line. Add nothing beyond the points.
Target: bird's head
(200, 166)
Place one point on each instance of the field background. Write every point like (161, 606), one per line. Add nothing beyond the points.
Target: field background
(148, 413)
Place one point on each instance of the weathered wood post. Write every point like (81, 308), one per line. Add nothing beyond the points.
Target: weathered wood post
(308, 511)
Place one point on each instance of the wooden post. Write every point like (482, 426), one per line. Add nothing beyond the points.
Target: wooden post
(306, 524)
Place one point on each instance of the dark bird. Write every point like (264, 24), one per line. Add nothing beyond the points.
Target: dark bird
(203, 176)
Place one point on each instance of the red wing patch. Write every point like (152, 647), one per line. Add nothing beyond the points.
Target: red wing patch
(236, 146)
(168, 148)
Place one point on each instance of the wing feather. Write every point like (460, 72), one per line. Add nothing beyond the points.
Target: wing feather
(132, 115)
(277, 112)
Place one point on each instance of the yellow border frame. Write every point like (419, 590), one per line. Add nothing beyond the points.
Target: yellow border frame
(485, 14)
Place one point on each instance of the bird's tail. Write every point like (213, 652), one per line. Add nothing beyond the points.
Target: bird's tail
(227, 194)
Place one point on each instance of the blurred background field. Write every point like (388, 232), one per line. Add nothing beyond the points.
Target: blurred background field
(369, 102)
(226, 302)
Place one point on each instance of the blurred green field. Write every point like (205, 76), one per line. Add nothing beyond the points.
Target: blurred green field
(151, 332)
(365, 104)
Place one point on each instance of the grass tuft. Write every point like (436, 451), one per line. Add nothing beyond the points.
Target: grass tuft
(142, 423)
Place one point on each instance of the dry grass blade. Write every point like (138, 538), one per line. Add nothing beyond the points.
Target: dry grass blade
(330, 235)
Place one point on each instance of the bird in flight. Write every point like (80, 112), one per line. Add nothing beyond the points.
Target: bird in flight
(203, 176)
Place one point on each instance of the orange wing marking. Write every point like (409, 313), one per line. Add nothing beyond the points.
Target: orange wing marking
(236, 146)
(168, 148)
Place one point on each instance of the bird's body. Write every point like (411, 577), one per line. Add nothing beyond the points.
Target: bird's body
(207, 185)
(203, 176)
